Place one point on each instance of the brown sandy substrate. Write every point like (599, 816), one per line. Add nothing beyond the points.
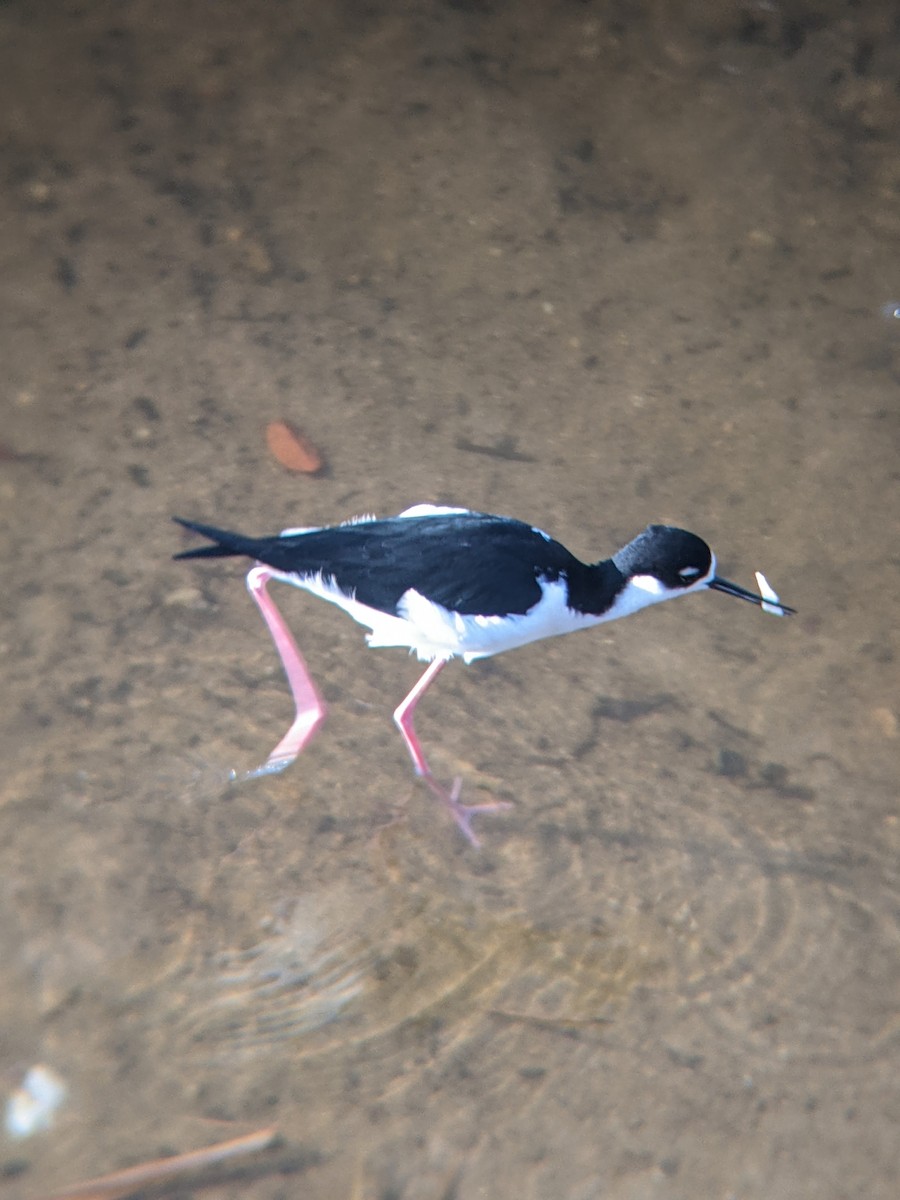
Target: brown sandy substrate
(588, 264)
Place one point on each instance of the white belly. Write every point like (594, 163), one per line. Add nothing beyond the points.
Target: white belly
(434, 632)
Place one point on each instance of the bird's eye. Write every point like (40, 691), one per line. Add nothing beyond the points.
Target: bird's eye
(689, 572)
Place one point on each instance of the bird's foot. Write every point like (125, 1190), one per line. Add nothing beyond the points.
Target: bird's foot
(462, 814)
(272, 766)
(305, 724)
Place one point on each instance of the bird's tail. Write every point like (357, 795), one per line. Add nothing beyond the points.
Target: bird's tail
(226, 544)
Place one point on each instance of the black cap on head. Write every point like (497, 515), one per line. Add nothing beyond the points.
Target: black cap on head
(677, 558)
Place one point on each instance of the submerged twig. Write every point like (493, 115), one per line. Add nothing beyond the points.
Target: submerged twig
(121, 1183)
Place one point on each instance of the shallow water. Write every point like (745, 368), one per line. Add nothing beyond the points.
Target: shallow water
(588, 265)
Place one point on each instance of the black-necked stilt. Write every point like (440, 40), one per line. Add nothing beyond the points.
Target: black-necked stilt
(451, 583)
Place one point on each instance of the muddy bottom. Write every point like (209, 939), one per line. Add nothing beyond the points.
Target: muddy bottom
(590, 265)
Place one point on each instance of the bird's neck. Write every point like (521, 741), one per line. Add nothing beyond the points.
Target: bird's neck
(592, 587)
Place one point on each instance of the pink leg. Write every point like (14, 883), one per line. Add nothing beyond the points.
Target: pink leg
(310, 707)
(403, 716)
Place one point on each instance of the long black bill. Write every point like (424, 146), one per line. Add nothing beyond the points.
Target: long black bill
(732, 589)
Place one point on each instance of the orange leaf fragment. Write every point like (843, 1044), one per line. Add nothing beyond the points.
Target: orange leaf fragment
(290, 448)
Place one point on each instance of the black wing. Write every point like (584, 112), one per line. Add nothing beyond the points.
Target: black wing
(470, 563)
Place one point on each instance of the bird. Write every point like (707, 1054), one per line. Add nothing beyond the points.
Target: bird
(449, 583)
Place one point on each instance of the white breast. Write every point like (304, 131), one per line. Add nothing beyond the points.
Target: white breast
(433, 632)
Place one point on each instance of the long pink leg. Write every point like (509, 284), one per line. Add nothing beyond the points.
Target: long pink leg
(310, 707)
(403, 716)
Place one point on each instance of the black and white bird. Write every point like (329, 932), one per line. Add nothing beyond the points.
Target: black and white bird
(450, 583)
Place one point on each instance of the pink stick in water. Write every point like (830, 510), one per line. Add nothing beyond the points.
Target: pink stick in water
(310, 707)
(403, 717)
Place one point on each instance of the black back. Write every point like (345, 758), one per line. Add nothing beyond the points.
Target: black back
(470, 563)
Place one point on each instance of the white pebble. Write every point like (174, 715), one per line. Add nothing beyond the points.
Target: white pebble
(33, 1104)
